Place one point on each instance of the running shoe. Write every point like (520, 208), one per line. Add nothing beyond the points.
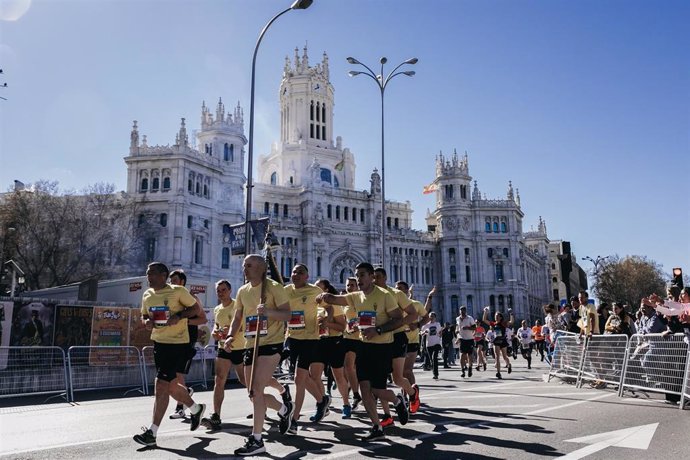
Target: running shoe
(469, 371)
(177, 414)
(415, 402)
(347, 411)
(374, 434)
(286, 394)
(510, 368)
(251, 447)
(498, 376)
(435, 377)
(196, 418)
(463, 374)
(213, 423)
(356, 400)
(484, 366)
(286, 417)
(294, 426)
(387, 421)
(146, 438)
(401, 410)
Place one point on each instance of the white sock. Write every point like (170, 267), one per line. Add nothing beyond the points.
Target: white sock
(283, 410)
(257, 436)
(154, 429)
(194, 408)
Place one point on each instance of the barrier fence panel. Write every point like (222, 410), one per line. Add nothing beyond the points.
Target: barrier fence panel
(604, 359)
(101, 367)
(32, 371)
(566, 360)
(655, 363)
(197, 375)
(685, 396)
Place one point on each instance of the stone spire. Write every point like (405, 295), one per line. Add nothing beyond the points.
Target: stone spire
(510, 194)
(305, 59)
(134, 140)
(476, 195)
(297, 61)
(182, 138)
(239, 114)
(542, 226)
(220, 110)
(517, 197)
(375, 182)
(324, 65)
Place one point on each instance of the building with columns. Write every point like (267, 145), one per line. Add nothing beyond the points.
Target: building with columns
(473, 249)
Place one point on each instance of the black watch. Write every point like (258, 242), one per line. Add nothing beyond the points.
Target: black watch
(379, 330)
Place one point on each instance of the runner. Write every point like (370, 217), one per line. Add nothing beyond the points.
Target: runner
(480, 344)
(267, 321)
(331, 351)
(539, 338)
(524, 335)
(413, 339)
(228, 357)
(303, 332)
(432, 331)
(164, 311)
(500, 326)
(179, 278)
(351, 340)
(466, 325)
(378, 315)
(399, 348)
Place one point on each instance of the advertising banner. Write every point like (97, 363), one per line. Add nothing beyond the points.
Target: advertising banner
(139, 336)
(32, 324)
(110, 327)
(5, 330)
(72, 326)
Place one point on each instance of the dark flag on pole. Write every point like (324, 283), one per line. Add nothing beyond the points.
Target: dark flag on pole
(259, 229)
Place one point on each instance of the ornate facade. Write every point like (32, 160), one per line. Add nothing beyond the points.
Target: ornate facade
(474, 249)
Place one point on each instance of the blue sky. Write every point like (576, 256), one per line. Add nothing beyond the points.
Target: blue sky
(582, 104)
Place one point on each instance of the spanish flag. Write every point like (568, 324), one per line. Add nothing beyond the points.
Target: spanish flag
(339, 166)
(431, 188)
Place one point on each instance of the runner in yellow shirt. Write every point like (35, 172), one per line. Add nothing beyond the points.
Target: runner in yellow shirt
(377, 315)
(303, 334)
(266, 321)
(165, 309)
(351, 342)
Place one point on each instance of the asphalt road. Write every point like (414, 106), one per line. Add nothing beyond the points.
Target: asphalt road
(519, 417)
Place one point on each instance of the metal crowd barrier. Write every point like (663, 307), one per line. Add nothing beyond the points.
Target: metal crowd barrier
(656, 363)
(28, 371)
(567, 357)
(198, 371)
(685, 396)
(100, 367)
(604, 359)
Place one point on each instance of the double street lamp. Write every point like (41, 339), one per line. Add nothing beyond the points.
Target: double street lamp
(382, 83)
(297, 5)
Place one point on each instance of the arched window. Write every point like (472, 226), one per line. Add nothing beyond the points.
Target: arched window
(396, 223)
(155, 184)
(267, 207)
(501, 302)
(206, 190)
(495, 227)
(164, 220)
(198, 251)
(361, 215)
(190, 221)
(354, 214)
(225, 258)
(232, 153)
(226, 152)
(499, 272)
(487, 227)
(453, 274)
(326, 175)
(276, 209)
(274, 178)
(451, 255)
(504, 227)
(166, 183)
(198, 188)
(285, 210)
(144, 184)
(388, 222)
(337, 213)
(329, 211)
(346, 213)
(554, 279)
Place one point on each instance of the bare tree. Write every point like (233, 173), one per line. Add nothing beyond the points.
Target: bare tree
(64, 237)
(628, 279)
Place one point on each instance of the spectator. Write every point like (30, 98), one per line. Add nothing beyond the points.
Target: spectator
(619, 322)
(603, 313)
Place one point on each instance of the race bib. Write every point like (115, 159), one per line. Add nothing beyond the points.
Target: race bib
(252, 324)
(498, 333)
(432, 330)
(525, 335)
(160, 315)
(545, 330)
(367, 319)
(352, 324)
(296, 320)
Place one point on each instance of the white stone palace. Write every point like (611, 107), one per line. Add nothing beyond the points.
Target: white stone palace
(474, 249)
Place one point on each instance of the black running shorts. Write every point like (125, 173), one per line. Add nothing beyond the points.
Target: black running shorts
(236, 357)
(351, 345)
(303, 352)
(331, 352)
(264, 350)
(374, 364)
(466, 346)
(412, 348)
(399, 348)
(169, 358)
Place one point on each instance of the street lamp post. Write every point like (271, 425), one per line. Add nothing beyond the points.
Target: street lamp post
(595, 262)
(382, 82)
(297, 5)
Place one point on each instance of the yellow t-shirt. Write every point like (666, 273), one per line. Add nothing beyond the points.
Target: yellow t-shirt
(403, 301)
(160, 305)
(328, 332)
(371, 310)
(223, 317)
(413, 336)
(303, 323)
(248, 298)
(584, 321)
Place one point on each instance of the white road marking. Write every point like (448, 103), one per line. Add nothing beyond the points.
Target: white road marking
(637, 437)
